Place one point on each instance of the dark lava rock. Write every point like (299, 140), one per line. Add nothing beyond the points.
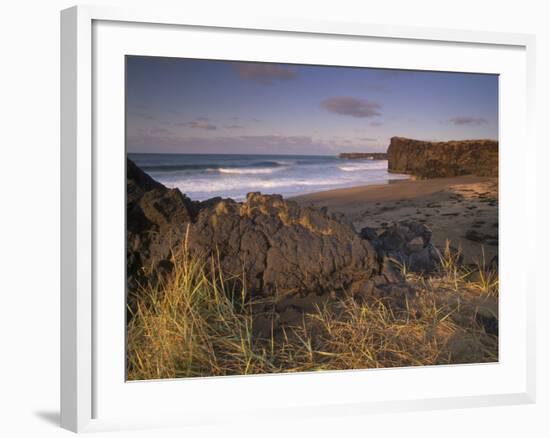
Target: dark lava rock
(283, 248)
(425, 260)
(475, 236)
(407, 242)
(280, 249)
(369, 233)
(488, 321)
(396, 295)
(155, 217)
(443, 159)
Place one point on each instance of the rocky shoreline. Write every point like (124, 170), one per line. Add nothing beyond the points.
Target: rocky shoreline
(462, 210)
(334, 280)
(363, 156)
(289, 255)
(293, 255)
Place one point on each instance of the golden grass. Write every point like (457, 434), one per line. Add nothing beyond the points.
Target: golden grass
(193, 325)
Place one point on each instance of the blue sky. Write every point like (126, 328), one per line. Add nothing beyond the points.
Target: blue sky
(202, 106)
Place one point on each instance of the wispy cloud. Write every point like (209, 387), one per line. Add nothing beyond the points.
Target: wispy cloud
(234, 127)
(466, 120)
(375, 123)
(199, 123)
(221, 144)
(367, 139)
(351, 106)
(265, 74)
(159, 130)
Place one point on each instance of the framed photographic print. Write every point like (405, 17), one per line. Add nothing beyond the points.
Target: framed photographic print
(294, 218)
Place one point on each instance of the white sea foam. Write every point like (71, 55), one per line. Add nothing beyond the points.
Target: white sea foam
(256, 171)
(224, 185)
(205, 176)
(372, 165)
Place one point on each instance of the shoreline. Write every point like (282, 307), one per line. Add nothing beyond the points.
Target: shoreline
(462, 209)
(288, 272)
(391, 191)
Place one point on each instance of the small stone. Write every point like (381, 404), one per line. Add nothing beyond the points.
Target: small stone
(368, 233)
(475, 236)
(389, 272)
(415, 244)
(422, 261)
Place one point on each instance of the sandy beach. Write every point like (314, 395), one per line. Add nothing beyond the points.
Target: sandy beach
(463, 210)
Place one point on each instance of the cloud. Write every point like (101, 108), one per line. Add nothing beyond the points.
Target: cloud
(466, 120)
(234, 127)
(367, 139)
(351, 106)
(273, 140)
(139, 141)
(265, 74)
(375, 123)
(199, 123)
(159, 130)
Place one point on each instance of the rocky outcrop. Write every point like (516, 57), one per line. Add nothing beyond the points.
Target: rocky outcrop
(155, 220)
(443, 159)
(408, 243)
(363, 155)
(279, 249)
(283, 249)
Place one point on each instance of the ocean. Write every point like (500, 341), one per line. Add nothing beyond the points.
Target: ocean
(203, 176)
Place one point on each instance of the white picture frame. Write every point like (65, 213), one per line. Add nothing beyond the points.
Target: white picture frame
(84, 384)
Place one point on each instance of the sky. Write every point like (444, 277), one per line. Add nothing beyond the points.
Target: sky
(176, 105)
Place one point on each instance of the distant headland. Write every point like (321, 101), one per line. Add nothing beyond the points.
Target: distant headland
(363, 155)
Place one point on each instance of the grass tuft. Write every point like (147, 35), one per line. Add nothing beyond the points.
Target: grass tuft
(194, 325)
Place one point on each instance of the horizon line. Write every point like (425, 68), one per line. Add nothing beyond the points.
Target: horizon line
(214, 153)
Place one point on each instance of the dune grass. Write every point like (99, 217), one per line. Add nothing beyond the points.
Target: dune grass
(192, 325)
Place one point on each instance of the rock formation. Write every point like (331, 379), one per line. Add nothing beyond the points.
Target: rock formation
(363, 155)
(297, 257)
(282, 248)
(407, 242)
(443, 159)
(155, 218)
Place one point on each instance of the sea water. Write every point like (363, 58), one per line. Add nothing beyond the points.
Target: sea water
(204, 176)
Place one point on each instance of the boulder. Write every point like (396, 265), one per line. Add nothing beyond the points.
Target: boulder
(155, 219)
(408, 243)
(281, 248)
(443, 159)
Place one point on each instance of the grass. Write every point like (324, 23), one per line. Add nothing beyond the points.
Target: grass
(194, 325)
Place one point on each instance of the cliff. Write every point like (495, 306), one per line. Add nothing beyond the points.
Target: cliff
(363, 155)
(443, 159)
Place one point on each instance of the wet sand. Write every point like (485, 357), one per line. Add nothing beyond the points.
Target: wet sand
(463, 210)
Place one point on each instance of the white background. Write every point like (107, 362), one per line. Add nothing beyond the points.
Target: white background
(29, 217)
